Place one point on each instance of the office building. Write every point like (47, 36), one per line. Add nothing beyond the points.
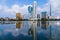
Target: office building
(38, 16)
(34, 11)
(19, 16)
(30, 10)
(44, 14)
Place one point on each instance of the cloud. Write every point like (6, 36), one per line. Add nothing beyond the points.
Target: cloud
(55, 7)
(11, 11)
(15, 9)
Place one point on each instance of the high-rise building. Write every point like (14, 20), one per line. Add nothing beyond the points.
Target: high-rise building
(44, 14)
(30, 10)
(19, 16)
(34, 11)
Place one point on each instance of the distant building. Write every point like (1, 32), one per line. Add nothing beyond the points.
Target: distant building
(19, 16)
(2, 19)
(38, 16)
(54, 17)
(43, 14)
(6, 19)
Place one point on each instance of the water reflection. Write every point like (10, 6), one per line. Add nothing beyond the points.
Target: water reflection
(19, 24)
(16, 31)
(44, 24)
(43, 35)
(38, 23)
(30, 30)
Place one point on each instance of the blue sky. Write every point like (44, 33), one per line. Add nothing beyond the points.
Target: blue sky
(22, 2)
(9, 8)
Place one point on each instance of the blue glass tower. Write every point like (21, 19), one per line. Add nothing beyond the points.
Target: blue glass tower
(30, 10)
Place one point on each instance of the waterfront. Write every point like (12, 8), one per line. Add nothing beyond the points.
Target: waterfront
(30, 30)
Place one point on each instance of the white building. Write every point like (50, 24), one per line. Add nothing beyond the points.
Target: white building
(34, 11)
(54, 17)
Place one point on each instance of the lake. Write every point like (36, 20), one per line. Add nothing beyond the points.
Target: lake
(29, 30)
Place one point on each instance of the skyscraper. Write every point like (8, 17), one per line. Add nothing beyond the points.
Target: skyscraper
(34, 11)
(30, 10)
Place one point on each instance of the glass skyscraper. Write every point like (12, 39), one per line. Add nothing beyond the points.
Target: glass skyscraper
(32, 11)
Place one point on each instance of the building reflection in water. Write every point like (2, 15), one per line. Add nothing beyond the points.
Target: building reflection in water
(17, 30)
(33, 25)
(19, 25)
(38, 23)
(32, 30)
(44, 24)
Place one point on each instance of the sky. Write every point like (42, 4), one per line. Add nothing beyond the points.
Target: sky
(9, 8)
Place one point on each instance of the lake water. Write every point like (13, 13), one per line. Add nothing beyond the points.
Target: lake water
(30, 30)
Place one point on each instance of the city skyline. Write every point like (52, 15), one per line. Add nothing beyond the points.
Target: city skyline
(9, 8)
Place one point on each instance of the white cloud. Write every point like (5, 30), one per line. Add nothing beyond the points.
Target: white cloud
(56, 7)
(14, 9)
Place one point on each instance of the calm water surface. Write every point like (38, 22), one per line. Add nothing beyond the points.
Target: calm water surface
(30, 30)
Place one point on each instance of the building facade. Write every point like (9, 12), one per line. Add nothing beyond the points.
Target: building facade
(38, 16)
(30, 10)
(44, 14)
(19, 16)
(34, 11)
